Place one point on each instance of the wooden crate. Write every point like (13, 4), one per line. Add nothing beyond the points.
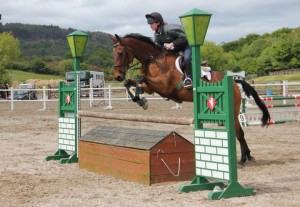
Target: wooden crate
(141, 155)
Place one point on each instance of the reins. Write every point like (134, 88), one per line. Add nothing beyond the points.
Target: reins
(129, 66)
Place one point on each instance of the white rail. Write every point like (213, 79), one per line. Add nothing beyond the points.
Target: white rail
(110, 94)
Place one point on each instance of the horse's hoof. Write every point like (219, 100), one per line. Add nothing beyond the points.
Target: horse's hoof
(241, 162)
(145, 105)
(251, 158)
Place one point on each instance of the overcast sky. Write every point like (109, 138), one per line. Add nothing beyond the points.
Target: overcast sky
(230, 21)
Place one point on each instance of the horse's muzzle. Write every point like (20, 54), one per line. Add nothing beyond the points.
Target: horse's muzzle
(119, 75)
(119, 78)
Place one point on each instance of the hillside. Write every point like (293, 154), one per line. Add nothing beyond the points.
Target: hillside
(49, 40)
(45, 50)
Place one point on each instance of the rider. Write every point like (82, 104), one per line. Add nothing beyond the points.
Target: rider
(172, 37)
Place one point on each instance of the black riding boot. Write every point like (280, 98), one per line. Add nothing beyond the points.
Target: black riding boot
(188, 74)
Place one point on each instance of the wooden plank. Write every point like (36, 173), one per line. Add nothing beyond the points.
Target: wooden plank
(168, 178)
(134, 117)
(131, 155)
(118, 163)
(116, 168)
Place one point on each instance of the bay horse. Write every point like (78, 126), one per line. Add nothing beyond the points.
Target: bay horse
(159, 75)
(4, 94)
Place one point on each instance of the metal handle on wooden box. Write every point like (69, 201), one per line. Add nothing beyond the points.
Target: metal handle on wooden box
(178, 171)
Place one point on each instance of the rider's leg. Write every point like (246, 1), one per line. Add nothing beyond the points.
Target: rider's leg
(188, 67)
(188, 74)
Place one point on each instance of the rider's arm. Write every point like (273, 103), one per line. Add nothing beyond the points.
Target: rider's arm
(179, 37)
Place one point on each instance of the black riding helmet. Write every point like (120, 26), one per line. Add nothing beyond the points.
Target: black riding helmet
(154, 18)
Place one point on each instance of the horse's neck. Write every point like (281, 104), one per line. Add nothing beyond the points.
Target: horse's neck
(143, 51)
(143, 54)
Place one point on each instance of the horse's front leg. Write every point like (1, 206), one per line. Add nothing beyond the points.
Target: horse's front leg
(139, 91)
(133, 95)
(128, 84)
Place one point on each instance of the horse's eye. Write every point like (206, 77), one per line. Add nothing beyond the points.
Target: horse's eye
(120, 52)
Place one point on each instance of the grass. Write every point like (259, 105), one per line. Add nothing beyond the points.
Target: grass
(273, 78)
(21, 76)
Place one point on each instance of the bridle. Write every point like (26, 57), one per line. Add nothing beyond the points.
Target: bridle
(123, 68)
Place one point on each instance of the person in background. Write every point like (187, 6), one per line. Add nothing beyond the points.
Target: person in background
(172, 37)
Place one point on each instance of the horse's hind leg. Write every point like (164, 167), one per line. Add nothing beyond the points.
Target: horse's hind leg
(245, 151)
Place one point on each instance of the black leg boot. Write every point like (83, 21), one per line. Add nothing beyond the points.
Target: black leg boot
(188, 75)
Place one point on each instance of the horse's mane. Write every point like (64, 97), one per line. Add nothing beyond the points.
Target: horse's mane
(140, 37)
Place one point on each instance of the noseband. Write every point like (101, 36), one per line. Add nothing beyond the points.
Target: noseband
(122, 68)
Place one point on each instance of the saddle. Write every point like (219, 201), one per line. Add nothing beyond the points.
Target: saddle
(205, 67)
(180, 65)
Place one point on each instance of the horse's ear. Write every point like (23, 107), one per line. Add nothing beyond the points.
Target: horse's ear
(113, 38)
(118, 38)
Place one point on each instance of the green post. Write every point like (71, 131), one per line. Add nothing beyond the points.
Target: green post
(215, 150)
(69, 129)
(195, 23)
(196, 74)
(77, 108)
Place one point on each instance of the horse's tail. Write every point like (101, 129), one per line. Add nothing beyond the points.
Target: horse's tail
(249, 90)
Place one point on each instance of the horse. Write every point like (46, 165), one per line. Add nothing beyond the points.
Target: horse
(158, 74)
(4, 94)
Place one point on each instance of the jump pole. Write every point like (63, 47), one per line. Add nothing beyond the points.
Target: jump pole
(244, 117)
(139, 118)
(271, 98)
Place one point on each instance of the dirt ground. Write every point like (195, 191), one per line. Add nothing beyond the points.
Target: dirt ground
(28, 135)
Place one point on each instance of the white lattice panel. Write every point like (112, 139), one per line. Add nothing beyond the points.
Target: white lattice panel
(66, 134)
(211, 148)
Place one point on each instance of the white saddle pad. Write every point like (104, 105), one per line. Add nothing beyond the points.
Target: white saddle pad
(203, 73)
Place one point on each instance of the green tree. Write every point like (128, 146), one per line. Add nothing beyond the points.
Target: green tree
(248, 64)
(214, 54)
(101, 58)
(265, 61)
(230, 62)
(37, 65)
(295, 52)
(134, 73)
(65, 66)
(282, 51)
(9, 52)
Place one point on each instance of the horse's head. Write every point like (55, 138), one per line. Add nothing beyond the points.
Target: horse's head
(123, 57)
(129, 47)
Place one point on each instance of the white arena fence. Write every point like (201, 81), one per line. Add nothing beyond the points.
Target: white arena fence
(109, 94)
(90, 95)
(281, 99)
